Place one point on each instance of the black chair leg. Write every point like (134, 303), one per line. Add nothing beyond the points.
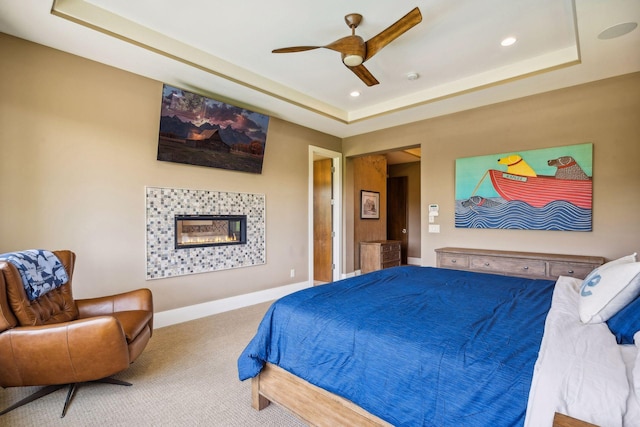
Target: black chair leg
(67, 401)
(37, 395)
(70, 394)
(110, 380)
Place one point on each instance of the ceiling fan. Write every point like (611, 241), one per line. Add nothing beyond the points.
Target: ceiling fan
(355, 51)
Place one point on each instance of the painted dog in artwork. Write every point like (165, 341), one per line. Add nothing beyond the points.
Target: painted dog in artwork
(568, 168)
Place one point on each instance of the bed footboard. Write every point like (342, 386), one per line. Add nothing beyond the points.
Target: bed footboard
(319, 407)
(312, 404)
(561, 420)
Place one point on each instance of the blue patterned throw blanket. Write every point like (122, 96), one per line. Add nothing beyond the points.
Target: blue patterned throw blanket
(41, 271)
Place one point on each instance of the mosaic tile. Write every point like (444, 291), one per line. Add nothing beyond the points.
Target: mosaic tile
(162, 204)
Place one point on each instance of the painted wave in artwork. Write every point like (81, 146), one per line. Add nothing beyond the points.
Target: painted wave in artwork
(496, 213)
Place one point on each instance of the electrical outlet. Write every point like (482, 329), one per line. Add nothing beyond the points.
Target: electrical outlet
(293, 272)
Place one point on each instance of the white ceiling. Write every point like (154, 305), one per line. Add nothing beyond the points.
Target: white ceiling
(223, 49)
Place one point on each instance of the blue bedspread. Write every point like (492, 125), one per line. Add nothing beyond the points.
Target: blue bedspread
(413, 345)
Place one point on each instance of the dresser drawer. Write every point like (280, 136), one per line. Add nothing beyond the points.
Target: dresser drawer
(572, 270)
(389, 264)
(513, 266)
(391, 256)
(390, 247)
(453, 261)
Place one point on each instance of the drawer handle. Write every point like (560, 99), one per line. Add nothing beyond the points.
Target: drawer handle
(486, 264)
(526, 267)
(570, 271)
(453, 261)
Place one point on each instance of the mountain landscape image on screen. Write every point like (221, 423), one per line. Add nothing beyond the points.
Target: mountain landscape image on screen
(201, 131)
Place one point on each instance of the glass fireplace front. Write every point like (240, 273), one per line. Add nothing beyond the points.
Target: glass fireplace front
(197, 231)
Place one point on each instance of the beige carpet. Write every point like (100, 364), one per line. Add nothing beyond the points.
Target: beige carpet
(187, 376)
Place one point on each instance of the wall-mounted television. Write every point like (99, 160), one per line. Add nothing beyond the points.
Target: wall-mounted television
(201, 131)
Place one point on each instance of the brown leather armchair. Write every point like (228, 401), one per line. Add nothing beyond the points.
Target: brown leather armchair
(55, 341)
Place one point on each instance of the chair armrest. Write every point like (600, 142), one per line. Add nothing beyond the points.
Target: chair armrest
(69, 352)
(140, 299)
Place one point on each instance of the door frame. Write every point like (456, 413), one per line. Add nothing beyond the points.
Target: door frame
(314, 154)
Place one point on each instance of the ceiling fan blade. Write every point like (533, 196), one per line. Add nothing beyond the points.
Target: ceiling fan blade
(392, 32)
(295, 49)
(364, 75)
(348, 45)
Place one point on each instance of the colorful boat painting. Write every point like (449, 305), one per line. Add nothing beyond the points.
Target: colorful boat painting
(539, 191)
(545, 189)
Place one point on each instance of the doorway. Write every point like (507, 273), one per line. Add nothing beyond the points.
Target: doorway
(397, 219)
(403, 202)
(325, 195)
(322, 220)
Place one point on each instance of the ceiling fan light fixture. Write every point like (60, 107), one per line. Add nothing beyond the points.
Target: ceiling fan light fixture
(352, 60)
(508, 41)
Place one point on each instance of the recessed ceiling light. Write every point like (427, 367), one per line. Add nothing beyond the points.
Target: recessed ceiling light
(355, 94)
(617, 30)
(508, 41)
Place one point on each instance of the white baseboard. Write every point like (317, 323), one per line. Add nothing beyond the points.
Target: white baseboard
(352, 274)
(414, 261)
(192, 312)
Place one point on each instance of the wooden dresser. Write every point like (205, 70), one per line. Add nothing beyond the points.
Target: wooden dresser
(379, 254)
(523, 264)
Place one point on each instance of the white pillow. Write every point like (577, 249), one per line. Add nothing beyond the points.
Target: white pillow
(608, 288)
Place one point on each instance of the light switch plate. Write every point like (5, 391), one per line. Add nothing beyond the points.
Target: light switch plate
(434, 228)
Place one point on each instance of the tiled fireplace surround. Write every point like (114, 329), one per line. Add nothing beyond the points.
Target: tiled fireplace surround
(163, 204)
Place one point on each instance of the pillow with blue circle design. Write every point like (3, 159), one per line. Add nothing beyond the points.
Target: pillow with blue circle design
(608, 288)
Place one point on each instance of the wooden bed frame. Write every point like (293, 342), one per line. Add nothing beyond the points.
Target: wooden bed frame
(312, 404)
(319, 407)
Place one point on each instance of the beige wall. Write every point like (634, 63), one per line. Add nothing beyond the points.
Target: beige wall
(606, 113)
(78, 146)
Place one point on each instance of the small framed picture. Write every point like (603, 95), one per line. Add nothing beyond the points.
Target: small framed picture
(369, 204)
